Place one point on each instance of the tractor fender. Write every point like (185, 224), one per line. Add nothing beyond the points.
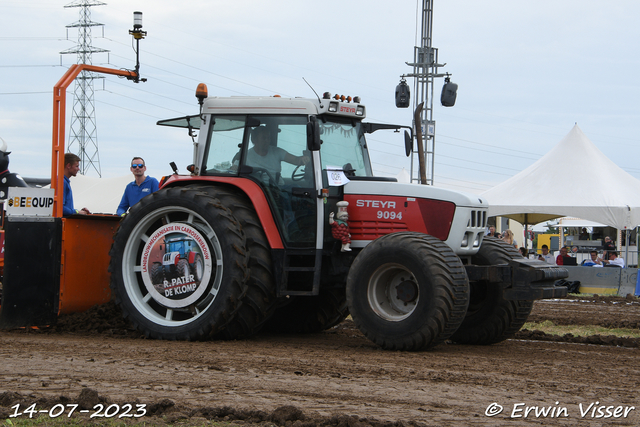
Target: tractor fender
(192, 257)
(253, 191)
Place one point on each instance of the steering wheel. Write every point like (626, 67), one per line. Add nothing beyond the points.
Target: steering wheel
(262, 172)
(297, 174)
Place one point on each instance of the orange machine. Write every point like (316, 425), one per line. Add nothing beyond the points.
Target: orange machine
(55, 265)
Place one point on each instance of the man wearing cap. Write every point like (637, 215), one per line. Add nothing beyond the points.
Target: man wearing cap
(137, 189)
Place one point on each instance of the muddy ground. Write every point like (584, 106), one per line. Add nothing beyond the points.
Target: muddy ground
(334, 378)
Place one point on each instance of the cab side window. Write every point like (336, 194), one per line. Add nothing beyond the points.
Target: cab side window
(225, 141)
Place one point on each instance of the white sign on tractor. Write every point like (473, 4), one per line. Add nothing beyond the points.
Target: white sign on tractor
(23, 201)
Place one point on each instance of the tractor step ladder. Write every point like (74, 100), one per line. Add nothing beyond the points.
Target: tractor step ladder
(300, 268)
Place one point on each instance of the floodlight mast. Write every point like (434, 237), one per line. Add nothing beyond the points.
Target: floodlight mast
(425, 70)
(137, 34)
(59, 109)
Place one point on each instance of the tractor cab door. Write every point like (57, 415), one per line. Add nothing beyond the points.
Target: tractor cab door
(275, 155)
(271, 150)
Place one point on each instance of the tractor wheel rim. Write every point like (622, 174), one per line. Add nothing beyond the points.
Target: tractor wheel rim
(393, 292)
(149, 302)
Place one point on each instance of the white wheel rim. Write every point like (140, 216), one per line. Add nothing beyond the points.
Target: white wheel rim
(393, 292)
(147, 303)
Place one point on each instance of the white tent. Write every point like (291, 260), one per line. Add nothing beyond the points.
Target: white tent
(593, 188)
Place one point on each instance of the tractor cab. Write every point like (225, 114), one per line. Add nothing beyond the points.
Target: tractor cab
(279, 153)
(291, 148)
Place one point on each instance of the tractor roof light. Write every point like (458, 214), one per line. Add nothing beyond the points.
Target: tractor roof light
(202, 93)
(333, 107)
(326, 95)
(360, 110)
(342, 98)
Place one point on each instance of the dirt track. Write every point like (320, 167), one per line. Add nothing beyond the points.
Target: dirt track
(327, 377)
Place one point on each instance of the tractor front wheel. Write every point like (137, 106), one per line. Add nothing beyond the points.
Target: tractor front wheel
(407, 291)
(491, 318)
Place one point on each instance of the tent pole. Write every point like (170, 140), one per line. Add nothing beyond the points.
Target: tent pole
(626, 247)
(526, 231)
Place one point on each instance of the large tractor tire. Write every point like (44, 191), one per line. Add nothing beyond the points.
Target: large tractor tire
(304, 315)
(407, 291)
(259, 303)
(181, 308)
(491, 318)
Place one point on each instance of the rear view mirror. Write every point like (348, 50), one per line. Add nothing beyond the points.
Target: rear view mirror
(313, 134)
(408, 143)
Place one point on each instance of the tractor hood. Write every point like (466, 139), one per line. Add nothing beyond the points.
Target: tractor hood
(384, 188)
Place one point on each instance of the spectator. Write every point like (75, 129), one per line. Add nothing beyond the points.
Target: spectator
(523, 251)
(614, 260)
(595, 261)
(492, 232)
(564, 252)
(138, 188)
(584, 234)
(546, 256)
(71, 168)
(608, 245)
(507, 236)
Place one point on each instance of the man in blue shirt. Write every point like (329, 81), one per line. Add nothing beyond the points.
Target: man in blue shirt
(137, 189)
(71, 168)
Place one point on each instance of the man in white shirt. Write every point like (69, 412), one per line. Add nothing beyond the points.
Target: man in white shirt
(614, 260)
(595, 260)
(546, 256)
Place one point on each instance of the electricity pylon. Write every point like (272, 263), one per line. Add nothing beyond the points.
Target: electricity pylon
(83, 132)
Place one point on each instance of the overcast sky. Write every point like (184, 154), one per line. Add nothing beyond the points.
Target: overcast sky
(527, 71)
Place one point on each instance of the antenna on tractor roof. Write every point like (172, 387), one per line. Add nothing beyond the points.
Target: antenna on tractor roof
(314, 91)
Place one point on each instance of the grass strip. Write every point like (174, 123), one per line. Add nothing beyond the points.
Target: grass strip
(550, 328)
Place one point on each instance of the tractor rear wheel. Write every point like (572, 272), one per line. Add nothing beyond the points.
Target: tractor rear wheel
(181, 308)
(259, 303)
(491, 318)
(407, 291)
(310, 314)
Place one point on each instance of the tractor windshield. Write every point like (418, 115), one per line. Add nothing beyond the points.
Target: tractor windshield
(343, 144)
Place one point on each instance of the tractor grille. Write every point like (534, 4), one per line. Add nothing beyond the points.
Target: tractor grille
(371, 230)
(475, 230)
(477, 219)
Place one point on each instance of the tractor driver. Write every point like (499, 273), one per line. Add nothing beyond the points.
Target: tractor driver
(266, 156)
